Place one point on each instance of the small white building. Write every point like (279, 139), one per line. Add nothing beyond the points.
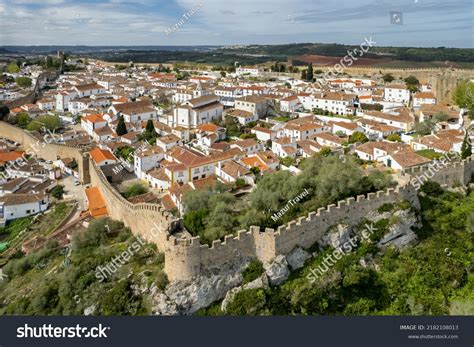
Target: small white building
(264, 134)
(423, 99)
(147, 160)
(14, 206)
(285, 147)
(290, 104)
(248, 70)
(397, 93)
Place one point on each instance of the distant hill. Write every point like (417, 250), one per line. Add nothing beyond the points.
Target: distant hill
(94, 49)
(414, 54)
(320, 54)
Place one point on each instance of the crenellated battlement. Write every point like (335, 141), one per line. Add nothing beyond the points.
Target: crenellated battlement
(442, 171)
(150, 221)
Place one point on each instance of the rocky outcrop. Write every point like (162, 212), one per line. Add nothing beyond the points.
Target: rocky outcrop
(261, 282)
(336, 236)
(277, 271)
(400, 233)
(186, 297)
(297, 258)
(89, 311)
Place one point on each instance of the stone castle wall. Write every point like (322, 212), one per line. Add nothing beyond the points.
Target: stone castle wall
(454, 173)
(44, 148)
(188, 258)
(149, 221)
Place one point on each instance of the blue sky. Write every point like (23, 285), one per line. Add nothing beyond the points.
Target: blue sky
(426, 23)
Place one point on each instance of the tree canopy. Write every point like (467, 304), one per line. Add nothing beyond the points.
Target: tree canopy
(23, 82)
(43, 122)
(121, 127)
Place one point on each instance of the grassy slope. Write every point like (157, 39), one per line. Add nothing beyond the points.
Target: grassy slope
(39, 284)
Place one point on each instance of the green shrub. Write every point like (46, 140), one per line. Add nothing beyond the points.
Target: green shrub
(161, 280)
(135, 190)
(385, 208)
(120, 300)
(57, 192)
(431, 188)
(240, 183)
(253, 271)
(247, 302)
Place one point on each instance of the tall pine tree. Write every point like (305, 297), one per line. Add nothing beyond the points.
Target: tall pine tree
(466, 148)
(309, 73)
(121, 127)
(150, 127)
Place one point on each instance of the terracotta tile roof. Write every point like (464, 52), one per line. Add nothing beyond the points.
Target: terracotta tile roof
(254, 99)
(19, 199)
(159, 174)
(144, 198)
(244, 143)
(168, 203)
(104, 131)
(10, 156)
(93, 118)
(85, 87)
(255, 161)
(424, 95)
(408, 158)
(346, 125)
(234, 169)
(135, 107)
(97, 206)
(388, 147)
(99, 155)
(239, 113)
(263, 130)
(168, 139)
(204, 182)
(208, 128)
(331, 138)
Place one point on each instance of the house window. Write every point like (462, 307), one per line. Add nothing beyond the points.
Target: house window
(28, 211)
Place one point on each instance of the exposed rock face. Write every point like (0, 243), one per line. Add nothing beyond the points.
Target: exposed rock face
(186, 297)
(261, 282)
(400, 234)
(88, 311)
(336, 236)
(297, 258)
(277, 271)
(375, 216)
